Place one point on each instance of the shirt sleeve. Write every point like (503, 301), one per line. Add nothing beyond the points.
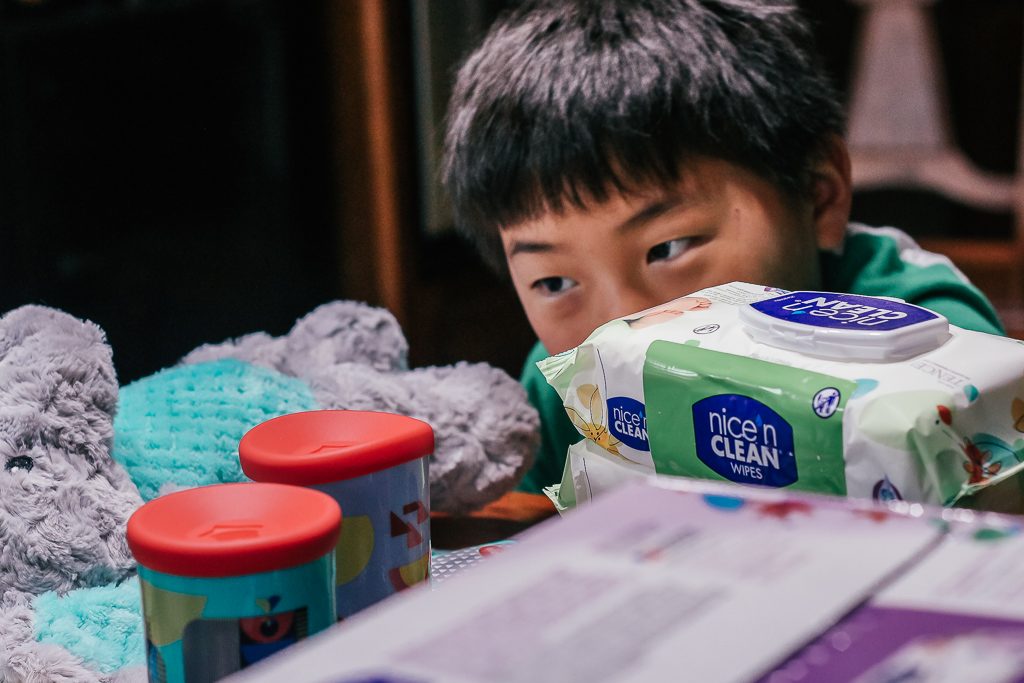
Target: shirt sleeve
(887, 262)
(556, 431)
(964, 314)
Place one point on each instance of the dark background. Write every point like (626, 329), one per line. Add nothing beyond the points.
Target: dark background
(172, 169)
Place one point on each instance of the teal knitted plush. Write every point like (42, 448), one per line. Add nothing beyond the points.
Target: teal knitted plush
(180, 427)
(102, 625)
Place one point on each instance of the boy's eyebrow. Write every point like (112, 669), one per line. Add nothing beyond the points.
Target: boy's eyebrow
(648, 213)
(521, 247)
(654, 209)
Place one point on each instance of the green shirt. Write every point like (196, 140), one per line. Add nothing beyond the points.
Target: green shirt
(873, 261)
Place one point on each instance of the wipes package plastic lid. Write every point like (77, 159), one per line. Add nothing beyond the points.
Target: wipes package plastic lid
(845, 326)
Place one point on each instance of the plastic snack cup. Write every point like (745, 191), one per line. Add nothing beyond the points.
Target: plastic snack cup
(231, 574)
(375, 466)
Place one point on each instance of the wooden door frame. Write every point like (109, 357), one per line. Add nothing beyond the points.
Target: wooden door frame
(374, 189)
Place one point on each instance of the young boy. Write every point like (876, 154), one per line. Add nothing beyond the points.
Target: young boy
(610, 156)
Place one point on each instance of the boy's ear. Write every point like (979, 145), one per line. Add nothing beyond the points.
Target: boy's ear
(832, 193)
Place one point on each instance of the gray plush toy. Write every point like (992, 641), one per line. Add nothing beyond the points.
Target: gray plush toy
(353, 356)
(64, 500)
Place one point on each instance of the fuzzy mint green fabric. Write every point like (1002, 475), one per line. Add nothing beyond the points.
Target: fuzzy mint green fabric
(180, 427)
(102, 625)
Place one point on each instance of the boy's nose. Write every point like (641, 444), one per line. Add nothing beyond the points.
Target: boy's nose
(624, 300)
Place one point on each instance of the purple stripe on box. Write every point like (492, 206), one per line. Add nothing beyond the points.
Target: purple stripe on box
(877, 638)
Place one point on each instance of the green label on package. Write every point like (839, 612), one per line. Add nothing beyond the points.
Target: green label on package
(722, 416)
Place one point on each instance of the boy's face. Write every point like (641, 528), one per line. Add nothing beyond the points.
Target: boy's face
(576, 270)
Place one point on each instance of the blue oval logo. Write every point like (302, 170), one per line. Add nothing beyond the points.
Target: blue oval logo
(849, 311)
(744, 440)
(627, 421)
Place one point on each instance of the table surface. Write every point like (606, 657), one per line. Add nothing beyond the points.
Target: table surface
(505, 517)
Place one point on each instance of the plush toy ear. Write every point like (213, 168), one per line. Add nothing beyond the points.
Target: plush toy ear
(346, 332)
(64, 502)
(333, 334)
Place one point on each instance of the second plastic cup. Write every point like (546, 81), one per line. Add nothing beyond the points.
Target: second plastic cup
(375, 465)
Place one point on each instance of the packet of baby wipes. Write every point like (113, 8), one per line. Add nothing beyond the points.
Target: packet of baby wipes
(816, 391)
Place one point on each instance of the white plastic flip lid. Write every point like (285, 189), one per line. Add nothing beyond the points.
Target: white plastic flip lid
(846, 327)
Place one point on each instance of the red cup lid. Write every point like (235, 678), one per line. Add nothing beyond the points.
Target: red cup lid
(234, 529)
(321, 446)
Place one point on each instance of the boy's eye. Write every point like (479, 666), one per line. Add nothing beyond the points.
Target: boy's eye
(668, 250)
(554, 285)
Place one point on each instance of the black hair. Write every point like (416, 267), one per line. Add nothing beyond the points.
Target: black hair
(566, 101)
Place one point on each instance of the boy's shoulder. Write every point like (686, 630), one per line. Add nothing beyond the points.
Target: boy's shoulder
(885, 261)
